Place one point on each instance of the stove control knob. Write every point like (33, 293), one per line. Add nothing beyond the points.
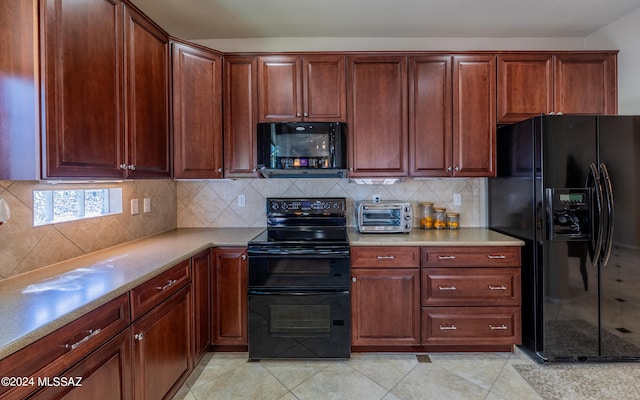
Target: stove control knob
(275, 206)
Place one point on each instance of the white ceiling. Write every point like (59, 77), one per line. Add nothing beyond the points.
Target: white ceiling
(226, 19)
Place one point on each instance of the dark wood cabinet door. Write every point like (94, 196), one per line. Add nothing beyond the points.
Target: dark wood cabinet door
(240, 116)
(230, 288)
(105, 375)
(162, 348)
(385, 307)
(197, 112)
(525, 86)
(324, 88)
(586, 83)
(430, 116)
(82, 70)
(474, 115)
(280, 95)
(147, 97)
(377, 109)
(201, 292)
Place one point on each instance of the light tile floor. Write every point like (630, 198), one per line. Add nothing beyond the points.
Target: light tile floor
(366, 376)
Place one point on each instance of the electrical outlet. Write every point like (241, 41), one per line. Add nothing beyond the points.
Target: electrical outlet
(376, 198)
(457, 199)
(134, 207)
(147, 205)
(242, 201)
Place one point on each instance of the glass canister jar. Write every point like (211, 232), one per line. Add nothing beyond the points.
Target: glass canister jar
(453, 220)
(426, 215)
(439, 218)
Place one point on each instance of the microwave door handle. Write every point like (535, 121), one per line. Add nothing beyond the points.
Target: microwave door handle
(608, 187)
(597, 187)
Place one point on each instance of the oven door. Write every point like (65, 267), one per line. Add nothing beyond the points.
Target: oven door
(285, 324)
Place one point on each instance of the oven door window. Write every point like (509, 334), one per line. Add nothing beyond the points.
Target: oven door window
(298, 272)
(300, 320)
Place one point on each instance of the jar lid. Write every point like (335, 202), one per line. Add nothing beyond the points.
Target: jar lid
(426, 203)
(439, 209)
(452, 214)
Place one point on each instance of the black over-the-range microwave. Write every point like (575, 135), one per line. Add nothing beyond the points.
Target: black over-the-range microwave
(302, 149)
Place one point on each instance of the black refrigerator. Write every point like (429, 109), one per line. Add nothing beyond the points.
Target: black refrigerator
(569, 187)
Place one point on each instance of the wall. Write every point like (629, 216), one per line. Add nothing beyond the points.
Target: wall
(623, 34)
(24, 248)
(214, 203)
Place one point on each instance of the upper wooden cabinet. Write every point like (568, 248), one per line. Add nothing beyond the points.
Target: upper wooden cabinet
(147, 98)
(452, 115)
(106, 76)
(535, 83)
(83, 72)
(197, 112)
(377, 109)
(301, 88)
(240, 99)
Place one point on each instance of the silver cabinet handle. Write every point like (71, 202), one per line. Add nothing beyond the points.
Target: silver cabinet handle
(452, 287)
(500, 327)
(501, 287)
(91, 334)
(124, 166)
(496, 256)
(386, 257)
(451, 327)
(132, 167)
(168, 285)
(446, 257)
(138, 336)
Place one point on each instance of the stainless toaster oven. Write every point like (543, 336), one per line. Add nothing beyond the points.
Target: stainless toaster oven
(384, 217)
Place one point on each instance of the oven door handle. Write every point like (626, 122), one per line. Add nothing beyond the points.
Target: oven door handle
(288, 293)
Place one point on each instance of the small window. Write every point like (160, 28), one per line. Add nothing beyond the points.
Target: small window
(54, 206)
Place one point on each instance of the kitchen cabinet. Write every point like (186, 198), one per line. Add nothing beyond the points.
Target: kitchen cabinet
(146, 98)
(197, 112)
(377, 115)
(201, 294)
(301, 88)
(105, 374)
(240, 96)
(230, 288)
(452, 115)
(533, 83)
(106, 111)
(68, 347)
(161, 329)
(471, 298)
(385, 296)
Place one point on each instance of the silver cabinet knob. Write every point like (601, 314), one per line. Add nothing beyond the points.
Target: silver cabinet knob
(124, 166)
(138, 336)
(354, 280)
(132, 167)
(220, 170)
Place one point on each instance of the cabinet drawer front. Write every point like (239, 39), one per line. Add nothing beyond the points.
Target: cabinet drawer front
(471, 325)
(155, 290)
(54, 353)
(390, 256)
(471, 286)
(479, 256)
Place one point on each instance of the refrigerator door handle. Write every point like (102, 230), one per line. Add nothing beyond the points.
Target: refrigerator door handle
(597, 186)
(608, 187)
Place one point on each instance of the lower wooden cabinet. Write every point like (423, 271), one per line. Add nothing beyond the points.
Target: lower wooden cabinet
(162, 348)
(104, 375)
(230, 287)
(385, 296)
(201, 307)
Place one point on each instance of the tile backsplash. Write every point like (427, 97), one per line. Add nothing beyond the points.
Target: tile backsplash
(215, 203)
(207, 203)
(24, 248)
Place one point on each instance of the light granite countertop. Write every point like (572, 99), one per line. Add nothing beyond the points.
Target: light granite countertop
(36, 303)
(433, 237)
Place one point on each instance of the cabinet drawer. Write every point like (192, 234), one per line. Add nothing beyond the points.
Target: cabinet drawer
(154, 291)
(479, 256)
(54, 353)
(390, 256)
(470, 286)
(471, 325)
